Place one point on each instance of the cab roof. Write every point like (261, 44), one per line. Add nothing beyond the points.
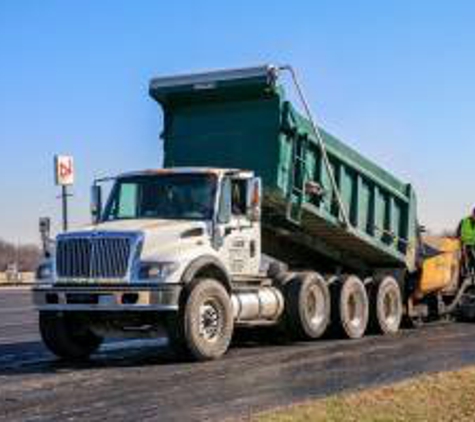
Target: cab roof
(188, 170)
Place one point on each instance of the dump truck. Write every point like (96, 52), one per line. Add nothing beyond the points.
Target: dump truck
(258, 218)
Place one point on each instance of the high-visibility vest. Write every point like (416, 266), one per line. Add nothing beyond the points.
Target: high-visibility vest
(468, 232)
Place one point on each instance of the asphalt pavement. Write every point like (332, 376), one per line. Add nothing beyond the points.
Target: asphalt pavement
(141, 381)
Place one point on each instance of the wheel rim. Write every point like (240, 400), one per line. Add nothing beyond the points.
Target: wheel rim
(390, 309)
(211, 321)
(315, 305)
(355, 309)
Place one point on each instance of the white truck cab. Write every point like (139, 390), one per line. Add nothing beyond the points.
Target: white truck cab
(176, 249)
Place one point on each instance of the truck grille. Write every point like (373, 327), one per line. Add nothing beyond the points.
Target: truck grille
(93, 256)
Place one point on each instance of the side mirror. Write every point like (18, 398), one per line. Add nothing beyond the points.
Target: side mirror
(96, 203)
(253, 200)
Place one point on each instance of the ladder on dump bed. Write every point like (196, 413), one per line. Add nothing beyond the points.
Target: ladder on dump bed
(298, 178)
(294, 209)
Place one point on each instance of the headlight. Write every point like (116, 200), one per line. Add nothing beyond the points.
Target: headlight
(44, 271)
(156, 270)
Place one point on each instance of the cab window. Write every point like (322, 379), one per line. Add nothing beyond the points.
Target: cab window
(238, 197)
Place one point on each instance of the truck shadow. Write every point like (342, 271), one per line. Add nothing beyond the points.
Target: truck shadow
(32, 357)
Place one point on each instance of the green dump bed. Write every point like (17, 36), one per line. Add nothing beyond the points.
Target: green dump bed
(242, 119)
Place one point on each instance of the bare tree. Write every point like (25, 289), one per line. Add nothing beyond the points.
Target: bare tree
(26, 257)
(7, 254)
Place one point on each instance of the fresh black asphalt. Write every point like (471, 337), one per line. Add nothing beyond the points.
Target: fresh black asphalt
(140, 381)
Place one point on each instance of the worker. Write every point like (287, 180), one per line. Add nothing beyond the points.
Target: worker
(466, 234)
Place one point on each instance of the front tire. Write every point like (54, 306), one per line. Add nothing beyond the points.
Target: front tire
(203, 329)
(66, 336)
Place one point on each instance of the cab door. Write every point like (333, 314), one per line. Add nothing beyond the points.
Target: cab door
(240, 236)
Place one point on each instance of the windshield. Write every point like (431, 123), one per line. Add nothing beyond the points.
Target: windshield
(163, 196)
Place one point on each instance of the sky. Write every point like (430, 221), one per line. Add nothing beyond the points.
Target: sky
(393, 79)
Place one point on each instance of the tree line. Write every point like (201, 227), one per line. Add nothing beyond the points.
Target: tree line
(26, 257)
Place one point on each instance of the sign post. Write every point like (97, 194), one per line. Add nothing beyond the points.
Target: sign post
(64, 177)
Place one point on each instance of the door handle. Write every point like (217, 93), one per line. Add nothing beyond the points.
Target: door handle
(229, 230)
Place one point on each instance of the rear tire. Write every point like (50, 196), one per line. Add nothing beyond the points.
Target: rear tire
(386, 306)
(204, 326)
(350, 307)
(307, 307)
(66, 336)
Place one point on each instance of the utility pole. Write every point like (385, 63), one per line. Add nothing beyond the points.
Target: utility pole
(64, 200)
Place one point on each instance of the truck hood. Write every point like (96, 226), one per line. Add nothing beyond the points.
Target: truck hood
(142, 225)
(161, 237)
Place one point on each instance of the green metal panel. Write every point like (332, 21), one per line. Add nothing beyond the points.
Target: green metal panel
(246, 122)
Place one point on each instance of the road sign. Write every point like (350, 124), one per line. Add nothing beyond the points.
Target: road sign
(64, 170)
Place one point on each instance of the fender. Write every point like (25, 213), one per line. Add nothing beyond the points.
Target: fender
(207, 266)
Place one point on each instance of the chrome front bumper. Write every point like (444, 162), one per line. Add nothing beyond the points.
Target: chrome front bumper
(107, 298)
